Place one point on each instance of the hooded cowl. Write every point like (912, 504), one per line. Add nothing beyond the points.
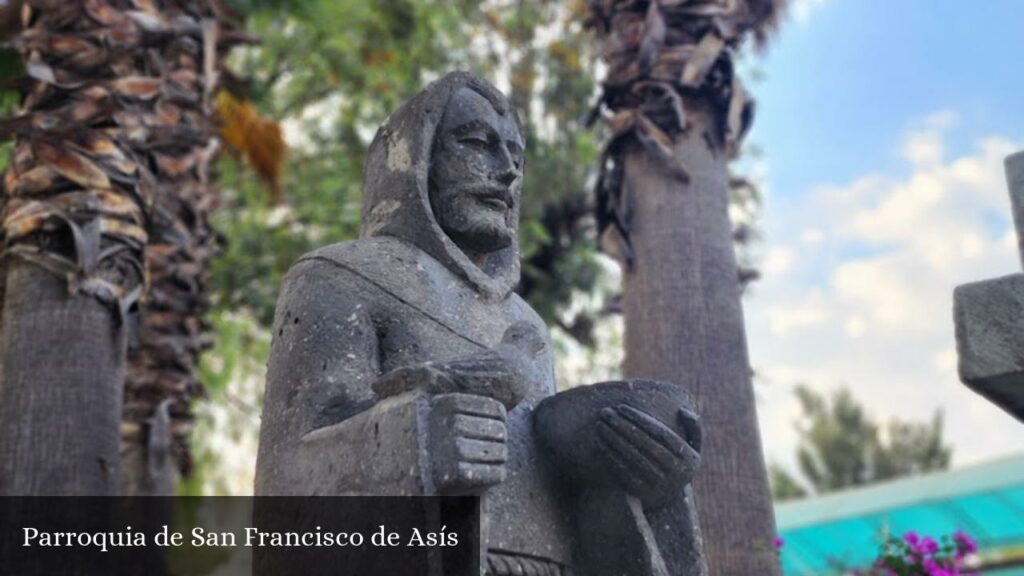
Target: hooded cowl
(396, 197)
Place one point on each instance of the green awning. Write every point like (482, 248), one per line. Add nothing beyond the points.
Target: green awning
(827, 534)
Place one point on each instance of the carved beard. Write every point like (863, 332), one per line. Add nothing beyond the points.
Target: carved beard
(471, 224)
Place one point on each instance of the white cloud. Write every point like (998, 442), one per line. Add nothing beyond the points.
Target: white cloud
(812, 236)
(856, 326)
(925, 145)
(778, 261)
(923, 148)
(868, 302)
(788, 318)
(802, 9)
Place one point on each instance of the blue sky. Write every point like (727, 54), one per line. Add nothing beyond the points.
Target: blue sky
(884, 124)
(845, 78)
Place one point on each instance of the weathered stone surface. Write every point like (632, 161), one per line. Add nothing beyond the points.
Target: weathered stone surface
(565, 426)
(989, 318)
(636, 522)
(403, 363)
(1015, 182)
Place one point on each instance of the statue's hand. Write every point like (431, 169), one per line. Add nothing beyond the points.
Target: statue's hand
(467, 443)
(647, 458)
(485, 374)
(504, 373)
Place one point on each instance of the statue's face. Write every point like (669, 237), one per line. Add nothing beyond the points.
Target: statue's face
(475, 173)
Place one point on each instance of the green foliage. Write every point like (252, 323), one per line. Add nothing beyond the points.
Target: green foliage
(253, 6)
(226, 434)
(784, 486)
(912, 448)
(838, 440)
(11, 69)
(841, 445)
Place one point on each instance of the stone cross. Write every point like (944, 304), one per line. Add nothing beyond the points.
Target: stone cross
(989, 317)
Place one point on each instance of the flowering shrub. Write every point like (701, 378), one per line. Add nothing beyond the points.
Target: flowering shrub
(913, 555)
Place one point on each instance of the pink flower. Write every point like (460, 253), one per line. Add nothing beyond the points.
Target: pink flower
(778, 542)
(923, 555)
(964, 544)
(928, 546)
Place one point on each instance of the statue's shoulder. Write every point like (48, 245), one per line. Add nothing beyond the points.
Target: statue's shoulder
(370, 258)
(332, 271)
(523, 309)
(366, 255)
(347, 269)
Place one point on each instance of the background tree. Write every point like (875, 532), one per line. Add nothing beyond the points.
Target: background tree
(842, 446)
(677, 112)
(912, 448)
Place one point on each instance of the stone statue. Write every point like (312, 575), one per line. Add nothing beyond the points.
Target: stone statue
(404, 364)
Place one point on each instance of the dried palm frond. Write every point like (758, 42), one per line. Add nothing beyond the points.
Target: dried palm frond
(662, 54)
(110, 183)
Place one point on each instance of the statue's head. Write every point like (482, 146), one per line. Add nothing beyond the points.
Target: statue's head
(476, 169)
(444, 174)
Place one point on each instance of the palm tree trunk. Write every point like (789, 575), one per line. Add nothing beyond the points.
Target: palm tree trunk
(73, 217)
(677, 113)
(684, 324)
(60, 398)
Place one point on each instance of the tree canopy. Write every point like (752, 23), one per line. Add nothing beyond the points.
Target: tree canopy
(841, 446)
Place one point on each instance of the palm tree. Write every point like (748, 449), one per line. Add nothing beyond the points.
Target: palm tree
(677, 113)
(162, 373)
(107, 193)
